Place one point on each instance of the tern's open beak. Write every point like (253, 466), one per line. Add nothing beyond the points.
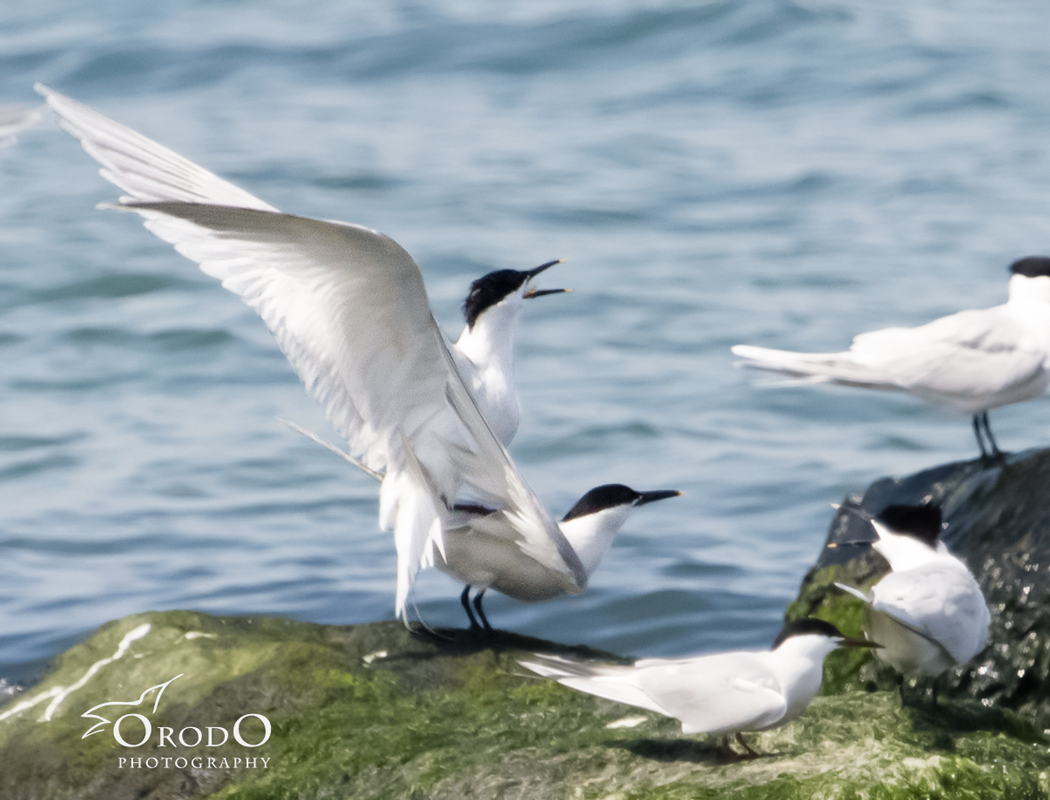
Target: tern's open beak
(857, 643)
(532, 273)
(659, 494)
(533, 293)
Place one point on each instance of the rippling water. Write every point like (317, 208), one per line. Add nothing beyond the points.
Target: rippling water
(771, 172)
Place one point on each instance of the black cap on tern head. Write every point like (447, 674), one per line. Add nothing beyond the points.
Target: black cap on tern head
(488, 290)
(920, 522)
(807, 627)
(810, 626)
(1031, 267)
(612, 495)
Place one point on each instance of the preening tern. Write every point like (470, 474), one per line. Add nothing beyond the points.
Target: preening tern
(722, 693)
(973, 361)
(928, 613)
(348, 308)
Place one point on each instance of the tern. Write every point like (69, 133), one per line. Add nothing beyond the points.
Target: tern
(348, 308)
(483, 559)
(972, 361)
(722, 693)
(928, 613)
(149, 172)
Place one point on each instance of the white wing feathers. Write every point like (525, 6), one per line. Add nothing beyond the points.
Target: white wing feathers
(942, 603)
(348, 307)
(722, 693)
(147, 171)
(978, 354)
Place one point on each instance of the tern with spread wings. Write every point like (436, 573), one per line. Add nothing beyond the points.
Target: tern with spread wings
(348, 307)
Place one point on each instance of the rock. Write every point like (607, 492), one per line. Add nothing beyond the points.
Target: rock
(371, 711)
(998, 522)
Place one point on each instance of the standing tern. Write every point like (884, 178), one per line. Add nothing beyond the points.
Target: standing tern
(723, 693)
(928, 613)
(481, 558)
(973, 361)
(149, 172)
(348, 307)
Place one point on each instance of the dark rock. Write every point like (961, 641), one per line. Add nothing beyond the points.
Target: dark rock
(998, 522)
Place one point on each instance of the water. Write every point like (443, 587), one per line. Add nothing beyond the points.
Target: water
(770, 172)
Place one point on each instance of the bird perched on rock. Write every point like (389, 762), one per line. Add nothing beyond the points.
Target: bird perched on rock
(928, 613)
(972, 361)
(348, 307)
(723, 693)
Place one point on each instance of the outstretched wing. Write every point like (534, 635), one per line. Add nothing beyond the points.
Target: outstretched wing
(348, 307)
(147, 171)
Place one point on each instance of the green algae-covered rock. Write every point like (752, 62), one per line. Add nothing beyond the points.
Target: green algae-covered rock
(265, 708)
(998, 522)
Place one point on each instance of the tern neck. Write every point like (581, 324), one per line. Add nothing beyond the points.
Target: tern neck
(490, 340)
(798, 665)
(1025, 291)
(591, 535)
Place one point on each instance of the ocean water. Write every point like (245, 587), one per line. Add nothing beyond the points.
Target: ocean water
(777, 172)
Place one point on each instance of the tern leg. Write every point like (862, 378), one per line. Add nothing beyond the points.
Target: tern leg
(977, 433)
(751, 753)
(900, 689)
(481, 612)
(465, 600)
(996, 452)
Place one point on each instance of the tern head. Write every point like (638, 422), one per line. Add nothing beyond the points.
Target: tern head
(591, 524)
(1030, 279)
(921, 523)
(504, 287)
(613, 496)
(819, 633)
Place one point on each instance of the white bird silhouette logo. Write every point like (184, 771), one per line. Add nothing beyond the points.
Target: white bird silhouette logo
(97, 727)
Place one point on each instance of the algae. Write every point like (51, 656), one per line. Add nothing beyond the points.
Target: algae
(371, 711)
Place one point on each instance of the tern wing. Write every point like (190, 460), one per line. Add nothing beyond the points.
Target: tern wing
(723, 693)
(348, 307)
(940, 602)
(147, 171)
(966, 359)
(981, 353)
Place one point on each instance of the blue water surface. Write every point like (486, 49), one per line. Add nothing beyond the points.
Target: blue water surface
(776, 172)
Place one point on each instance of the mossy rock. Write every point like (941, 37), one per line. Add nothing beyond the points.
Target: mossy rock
(371, 711)
(998, 522)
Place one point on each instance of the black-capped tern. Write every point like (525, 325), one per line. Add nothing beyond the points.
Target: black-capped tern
(928, 613)
(348, 307)
(723, 693)
(972, 361)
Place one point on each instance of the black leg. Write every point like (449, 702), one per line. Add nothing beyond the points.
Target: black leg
(751, 753)
(900, 689)
(935, 683)
(977, 433)
(480, 610)
(465, 600)
(996, 452)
